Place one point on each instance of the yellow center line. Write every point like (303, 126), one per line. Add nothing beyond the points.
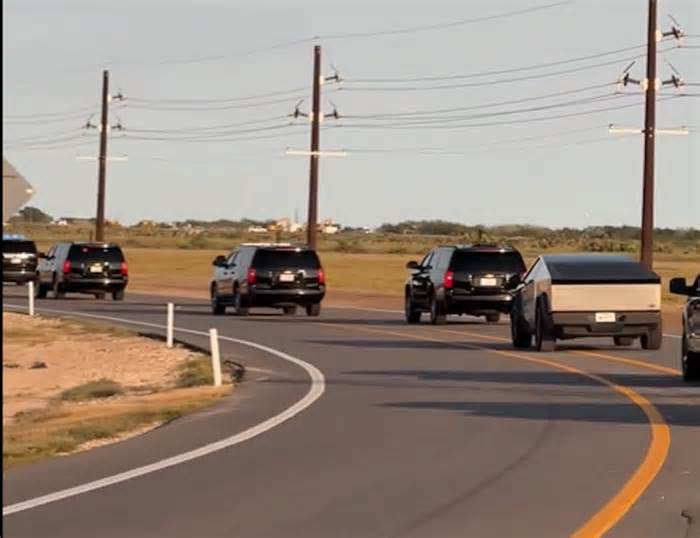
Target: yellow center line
(615, 509)
(596, 354)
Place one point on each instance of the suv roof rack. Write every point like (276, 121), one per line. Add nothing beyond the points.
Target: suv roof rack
(13, 237)
(489, 246)
(267, 245)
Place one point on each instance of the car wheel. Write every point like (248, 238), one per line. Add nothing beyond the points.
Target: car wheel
(240, 309)
(493, 318)
(653, 339)
(520, 336)
(623, 341)
(437, 312)
(99, 296)
(543, 336)
(216, 307)
(39, 290)
(690, 363)
(412, 315)
(289, 310)
(58, 291)
(118, 295)
(313, 310)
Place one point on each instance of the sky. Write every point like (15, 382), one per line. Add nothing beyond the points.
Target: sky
(209, 85)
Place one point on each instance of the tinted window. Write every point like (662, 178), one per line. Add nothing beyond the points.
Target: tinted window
(18, 247)
(283, 259)
(89, 254)
(488, 262)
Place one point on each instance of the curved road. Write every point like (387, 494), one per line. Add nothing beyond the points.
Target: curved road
(422, 431)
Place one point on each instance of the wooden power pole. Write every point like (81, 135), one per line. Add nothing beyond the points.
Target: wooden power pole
(102, 160)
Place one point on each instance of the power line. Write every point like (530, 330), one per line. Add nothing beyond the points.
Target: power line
(220, 126)
(174, 108)
(507, 71)
(221, 139)
(495, 81)
(479, 106)
(37, 115)
(205, 101)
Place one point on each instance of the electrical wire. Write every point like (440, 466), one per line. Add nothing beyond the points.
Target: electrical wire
(220, 126)
(478, 106)
(37, 115)
(215, 137)
(205, 101)
(177, 108)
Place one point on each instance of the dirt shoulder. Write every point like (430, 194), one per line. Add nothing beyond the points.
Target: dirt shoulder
(70, 385)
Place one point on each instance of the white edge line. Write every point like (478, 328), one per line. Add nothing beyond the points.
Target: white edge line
(316, 390)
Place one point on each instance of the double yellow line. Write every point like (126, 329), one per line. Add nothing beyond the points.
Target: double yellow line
(615, 509)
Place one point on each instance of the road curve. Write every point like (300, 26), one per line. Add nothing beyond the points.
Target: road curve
(422, 431)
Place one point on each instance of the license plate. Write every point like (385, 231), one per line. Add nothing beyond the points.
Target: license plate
(96, 269)
(488, 282)
(16, 261)
(605, 317)
(286, 277)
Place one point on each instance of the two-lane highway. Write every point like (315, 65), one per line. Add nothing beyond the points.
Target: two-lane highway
(421, 431)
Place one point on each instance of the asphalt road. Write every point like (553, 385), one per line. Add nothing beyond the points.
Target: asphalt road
(422, 431)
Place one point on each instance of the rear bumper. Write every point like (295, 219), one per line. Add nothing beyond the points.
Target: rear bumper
(18, 275)
(465, 304)
(694, 344)
(91, 285)
(290, 297)
(581, 324)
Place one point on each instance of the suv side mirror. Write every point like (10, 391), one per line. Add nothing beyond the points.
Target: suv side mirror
(41, 255)
(679, 286)
(413, 265)
(514, 282)
(219, 261)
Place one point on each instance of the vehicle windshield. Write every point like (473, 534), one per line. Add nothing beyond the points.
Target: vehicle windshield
(92, 254)
(18, 247)
(488, 262)
(286, 259)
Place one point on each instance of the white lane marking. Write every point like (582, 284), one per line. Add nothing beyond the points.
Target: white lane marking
(362, 309)
(318, 386)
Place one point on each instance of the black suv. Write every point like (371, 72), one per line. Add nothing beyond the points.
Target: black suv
(93, 268)
(19, 259)
(469, 279)
(690, 347)
(272, 275)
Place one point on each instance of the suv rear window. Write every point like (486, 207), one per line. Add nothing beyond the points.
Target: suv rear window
(19, 247)
(90, 253)
(491, 262)
(286, 259)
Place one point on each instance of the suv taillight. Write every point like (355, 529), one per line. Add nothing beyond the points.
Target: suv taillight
(321, 276)
(124, 269)
(449, 281)
(66, 266)
(252, 276)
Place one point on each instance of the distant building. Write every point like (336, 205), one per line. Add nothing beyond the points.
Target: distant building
(257, 229)
(328, 226)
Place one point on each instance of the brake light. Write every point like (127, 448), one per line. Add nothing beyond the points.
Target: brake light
(449, 281)
(252, 276)
(124, 269)
(66, 266)
(321, 276)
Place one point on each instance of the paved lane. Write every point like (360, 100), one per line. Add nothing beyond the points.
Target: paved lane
(422, 431)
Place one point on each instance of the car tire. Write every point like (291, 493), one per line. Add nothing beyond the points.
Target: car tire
(690, 363)
(118, 295)
(240, 309)
(493, 318)
(623, 341)
(216, 307)
(99, 296)
(313, 310)
(58, 291)
(289, 310)
(653, 339)
(437, 312)
(544, 340)
(412, 315)
(39, 290)
(520, 336)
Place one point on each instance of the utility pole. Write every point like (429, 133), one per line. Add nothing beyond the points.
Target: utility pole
(102, 160)
(650, 85)
(647, 250)
(311, 226)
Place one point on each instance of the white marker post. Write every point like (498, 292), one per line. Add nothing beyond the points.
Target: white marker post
(30, 289)
(215, 358)
(170, 324)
